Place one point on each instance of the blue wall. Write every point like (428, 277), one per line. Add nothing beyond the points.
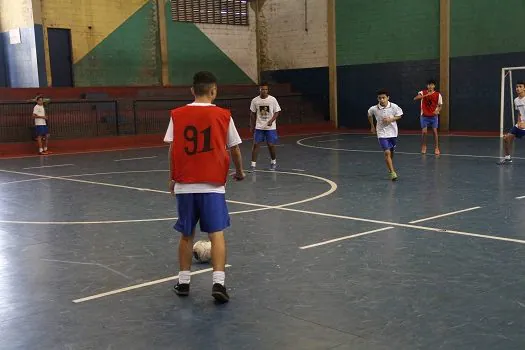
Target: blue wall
(25, 62)
(308, 81)
(358, 84)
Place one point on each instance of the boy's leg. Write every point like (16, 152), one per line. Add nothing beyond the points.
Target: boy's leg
(423, 123)
(435, 125)
(188, 217)
(214, 220)
(271, 140)
(46, 141)
(258, 137)
(39, 142)
(508, 139)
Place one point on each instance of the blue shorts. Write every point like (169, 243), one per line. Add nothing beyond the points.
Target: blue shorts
(41, 130)
(517, 132)
(269, 136)
(209, 209)
(429, 122)
(388, 143)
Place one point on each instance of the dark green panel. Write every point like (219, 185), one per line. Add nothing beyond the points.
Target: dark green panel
(381, 31)
(128, 56)
(486, 27)
(190, 50)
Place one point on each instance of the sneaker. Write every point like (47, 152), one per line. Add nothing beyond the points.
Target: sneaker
(182, 289)
(252, 168)
(504, 161)
(393, 176)
(273, 166)
(219, 293)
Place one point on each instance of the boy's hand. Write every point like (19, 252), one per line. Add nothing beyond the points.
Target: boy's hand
(372, 130)
(239, 175)
(171, 186)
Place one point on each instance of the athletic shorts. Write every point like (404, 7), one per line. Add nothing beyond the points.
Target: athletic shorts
(387, 143)
(41, 130)
(209, 209)
(519, 133)
(429, 122)
(269, 136)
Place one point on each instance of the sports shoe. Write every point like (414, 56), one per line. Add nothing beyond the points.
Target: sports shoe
(218, 291)
(273, 166)
(504, 161)
(393, 176)
(182, 289)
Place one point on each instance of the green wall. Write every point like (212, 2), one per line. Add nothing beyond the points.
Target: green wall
(486, 27)
(386, 31)
(128, 56)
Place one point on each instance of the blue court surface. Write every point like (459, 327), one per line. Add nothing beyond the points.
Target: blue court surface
(324, 253)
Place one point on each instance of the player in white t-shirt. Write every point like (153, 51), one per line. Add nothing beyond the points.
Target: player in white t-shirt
(386, 114)
(264, 112)
(518, 130)
(41, 128)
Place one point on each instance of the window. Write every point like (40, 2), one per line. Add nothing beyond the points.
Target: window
(233, 12)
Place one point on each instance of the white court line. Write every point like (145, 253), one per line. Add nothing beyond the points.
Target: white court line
(49, 166)
(138, 158)
(424, 228)
(137, 286)
(331, 140)
(260, 207)
(520, 197)
(443, 215)
(300, 170)
(346, 237)
(300, 143)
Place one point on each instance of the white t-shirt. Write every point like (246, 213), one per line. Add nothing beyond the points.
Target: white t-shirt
(519, 105)
(232, 140)
(383, 129)
(265, 108)
(41, 112)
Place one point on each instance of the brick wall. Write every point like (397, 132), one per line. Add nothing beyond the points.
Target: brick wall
(293, 35)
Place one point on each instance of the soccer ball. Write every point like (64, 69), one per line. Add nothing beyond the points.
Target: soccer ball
(202, 251)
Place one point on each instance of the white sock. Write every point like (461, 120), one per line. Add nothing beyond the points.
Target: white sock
(218, 277)
(273, 161)
(254, 163)
(184, 277)
(40, 149)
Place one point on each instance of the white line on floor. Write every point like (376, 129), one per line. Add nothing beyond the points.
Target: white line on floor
(443, 215)
(331, 140)
(137, 286)
(49, 166)
(138, 158)
(346, 237)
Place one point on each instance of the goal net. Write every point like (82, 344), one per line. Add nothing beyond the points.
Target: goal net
(509, 77)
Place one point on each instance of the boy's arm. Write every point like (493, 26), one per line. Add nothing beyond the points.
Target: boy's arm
(277, 110)
(439, 106)
(371, 121)
(237, 161)
(171, 182)
(253, 116)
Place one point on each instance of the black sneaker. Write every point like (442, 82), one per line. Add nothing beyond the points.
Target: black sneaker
(182, 289)
(219, 293)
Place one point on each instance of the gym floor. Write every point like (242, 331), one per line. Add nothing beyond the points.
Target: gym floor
(325, 253)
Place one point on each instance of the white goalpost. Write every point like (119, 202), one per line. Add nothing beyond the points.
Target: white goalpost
(506, 72)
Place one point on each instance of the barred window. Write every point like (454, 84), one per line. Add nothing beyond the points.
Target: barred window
(233, 12)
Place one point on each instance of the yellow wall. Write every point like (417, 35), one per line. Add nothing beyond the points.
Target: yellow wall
(90, 21)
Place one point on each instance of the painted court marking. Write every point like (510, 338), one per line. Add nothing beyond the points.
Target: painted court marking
(443, 215)
(137, 286)
(138, 158)
(49, 166)
(301, 143)
(346, 237)
(259, 207)
(331, 140)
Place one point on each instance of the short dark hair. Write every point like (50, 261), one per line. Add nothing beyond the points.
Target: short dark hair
(520, 82)
(264, 83)
(383, 92)
(203, 82)
(38, 97)
(431, 81)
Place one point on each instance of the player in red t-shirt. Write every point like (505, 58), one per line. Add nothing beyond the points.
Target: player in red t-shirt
(199, 135)
(431, 103)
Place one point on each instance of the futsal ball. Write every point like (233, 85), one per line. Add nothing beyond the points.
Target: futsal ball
(202, 251)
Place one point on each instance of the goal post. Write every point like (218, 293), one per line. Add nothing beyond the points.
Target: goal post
(507, 98)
